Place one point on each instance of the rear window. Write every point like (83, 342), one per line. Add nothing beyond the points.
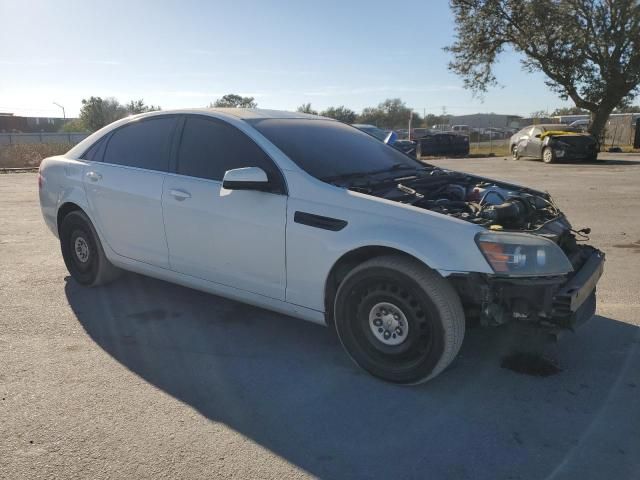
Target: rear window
(95, 152)
(142, 144)
(326, 148)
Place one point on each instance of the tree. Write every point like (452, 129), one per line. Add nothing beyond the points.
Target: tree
(234, 101)
(75, 125)
(589, 50)
(392, 113)
(341, 113)
(306, 108)
(430, 120)
(539, 114)
(97, 112)
(558, 112)
(138, 106)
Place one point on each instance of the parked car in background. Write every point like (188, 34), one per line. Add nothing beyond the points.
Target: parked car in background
(466, 129)
(377, 132)
(442, 144)
(406, 146)
(552, 142)
(581, 125)
(390, 137)
(312, 218)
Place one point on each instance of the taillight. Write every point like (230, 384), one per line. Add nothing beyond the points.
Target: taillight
(40, 179)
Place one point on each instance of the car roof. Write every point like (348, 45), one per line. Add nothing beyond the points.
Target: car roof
(239, 113)
(255, 113)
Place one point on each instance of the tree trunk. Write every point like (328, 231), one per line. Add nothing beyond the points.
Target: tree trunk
(598, 123)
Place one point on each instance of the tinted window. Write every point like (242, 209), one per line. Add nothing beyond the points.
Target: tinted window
(327, 149)
(142, 144)
(210, 147)
(95, 152)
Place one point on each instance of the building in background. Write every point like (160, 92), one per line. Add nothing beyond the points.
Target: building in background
(10, 123)
(486, 120)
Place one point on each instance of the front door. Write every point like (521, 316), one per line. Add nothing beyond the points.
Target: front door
(235, 238)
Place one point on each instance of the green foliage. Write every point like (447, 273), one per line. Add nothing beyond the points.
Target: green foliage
(569, 111)
(75, 125)
(430, 120)
(540, 114)
(138, 106)
(589, 50)
(234, 101)
(306, 108)
(341, 113)
(392, 113)
(97, 112)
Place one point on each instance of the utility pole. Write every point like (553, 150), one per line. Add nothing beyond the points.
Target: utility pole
(63, 113)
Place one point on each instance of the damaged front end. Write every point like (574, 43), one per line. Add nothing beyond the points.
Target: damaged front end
(542, 274)
(555, 302)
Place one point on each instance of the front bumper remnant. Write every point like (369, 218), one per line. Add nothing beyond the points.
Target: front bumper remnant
(554, 302)
(575, 302)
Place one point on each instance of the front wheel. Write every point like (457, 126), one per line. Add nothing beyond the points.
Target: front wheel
(399, 320)
(514, 153)
(82, 251)
(548, 156)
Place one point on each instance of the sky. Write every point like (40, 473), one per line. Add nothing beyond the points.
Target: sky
(181, 54)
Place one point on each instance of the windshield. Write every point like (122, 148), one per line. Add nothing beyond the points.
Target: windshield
(328, 149)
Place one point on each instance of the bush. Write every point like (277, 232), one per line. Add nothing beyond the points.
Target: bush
(29, 155)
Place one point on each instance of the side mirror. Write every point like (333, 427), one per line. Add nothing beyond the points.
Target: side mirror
(248, 178)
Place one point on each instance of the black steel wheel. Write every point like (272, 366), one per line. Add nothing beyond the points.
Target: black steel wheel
(82, 251)
(399, 320)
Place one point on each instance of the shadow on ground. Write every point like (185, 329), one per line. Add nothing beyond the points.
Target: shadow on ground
(287, 385)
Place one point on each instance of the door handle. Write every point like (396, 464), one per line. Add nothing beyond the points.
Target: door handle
(179, 194)
(94, 176)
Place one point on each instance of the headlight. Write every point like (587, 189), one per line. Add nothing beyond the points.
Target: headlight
(521, 254)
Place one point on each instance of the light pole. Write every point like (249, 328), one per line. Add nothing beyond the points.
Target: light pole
(63, 114)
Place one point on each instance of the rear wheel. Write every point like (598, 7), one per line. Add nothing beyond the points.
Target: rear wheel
(82, 251)
(548, 156)
(514, 152)
(399, 320)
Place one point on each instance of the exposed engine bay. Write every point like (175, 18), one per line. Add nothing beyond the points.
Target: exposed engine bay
(491, 204)
(499, 206)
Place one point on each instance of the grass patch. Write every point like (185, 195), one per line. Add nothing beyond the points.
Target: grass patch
(486, 150)
(29, 155)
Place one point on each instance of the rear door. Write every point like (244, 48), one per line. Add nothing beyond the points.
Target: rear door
(124, 188)
(232, 237)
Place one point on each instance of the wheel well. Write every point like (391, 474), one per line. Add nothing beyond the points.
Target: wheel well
(64, 210)
(345, 264)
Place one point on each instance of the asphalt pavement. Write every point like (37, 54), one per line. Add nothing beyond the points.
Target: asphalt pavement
(144, 379)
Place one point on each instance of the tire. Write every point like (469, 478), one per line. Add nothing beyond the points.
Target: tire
(82, 251)
(514, 153)
(547, 155)
(417, 315)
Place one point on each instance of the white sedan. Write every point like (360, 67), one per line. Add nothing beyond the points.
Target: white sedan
(313, 218)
